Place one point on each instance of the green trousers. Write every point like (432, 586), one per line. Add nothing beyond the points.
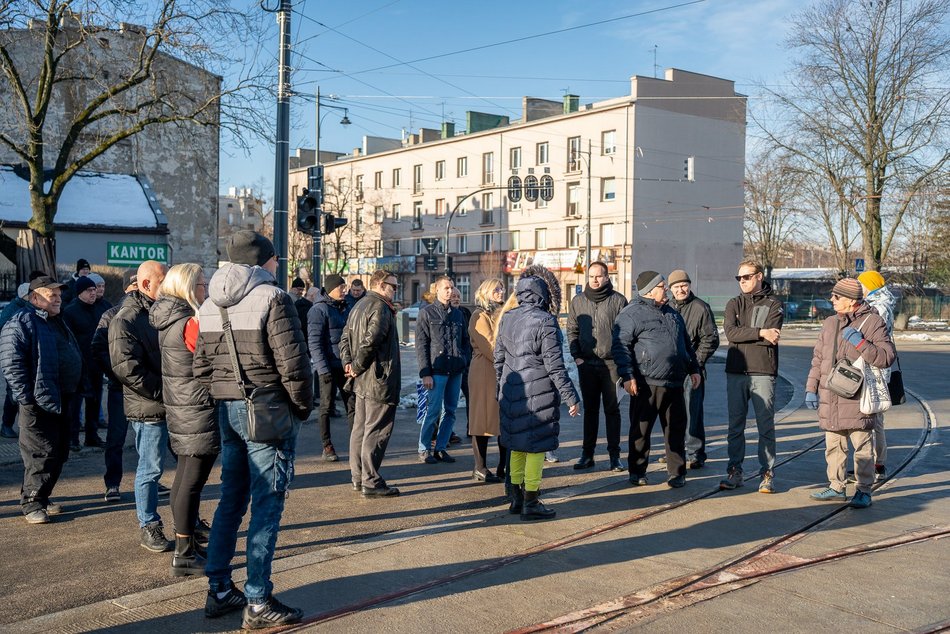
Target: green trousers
(526, 469)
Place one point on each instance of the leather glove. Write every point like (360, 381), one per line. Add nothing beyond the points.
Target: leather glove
(811, 400)
(852, 336)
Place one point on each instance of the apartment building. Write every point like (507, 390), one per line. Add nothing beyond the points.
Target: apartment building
(650, 180)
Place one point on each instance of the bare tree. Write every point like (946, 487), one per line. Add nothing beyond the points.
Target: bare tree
(72, 93)
(771, 216)
(832, 214)
(870, 86)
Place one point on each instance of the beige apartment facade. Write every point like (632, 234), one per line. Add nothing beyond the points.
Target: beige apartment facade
(650, 180)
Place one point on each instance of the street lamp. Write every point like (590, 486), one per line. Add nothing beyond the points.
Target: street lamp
(315, 255)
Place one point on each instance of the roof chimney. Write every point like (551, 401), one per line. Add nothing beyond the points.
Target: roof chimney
(571, 103)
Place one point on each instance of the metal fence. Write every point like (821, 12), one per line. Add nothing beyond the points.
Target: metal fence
(814, 308)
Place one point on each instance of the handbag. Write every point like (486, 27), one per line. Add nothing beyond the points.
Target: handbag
(875, 397)
(895, 386)
(845, 379)
(269, 417)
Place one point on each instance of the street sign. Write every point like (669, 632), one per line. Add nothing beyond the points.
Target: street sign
(531, 188)
(430, 244)
(578, 289)
(514, 189)
(134, 253)
(430, 262)
(547, 187)
(859, 265)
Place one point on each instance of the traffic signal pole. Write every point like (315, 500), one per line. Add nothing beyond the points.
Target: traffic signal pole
(281, 167)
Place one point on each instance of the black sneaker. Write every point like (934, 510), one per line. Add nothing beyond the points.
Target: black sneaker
(454, 439)
(153, 538)
(443, 456)
(232, 601)
(271, 613)
(163, 490)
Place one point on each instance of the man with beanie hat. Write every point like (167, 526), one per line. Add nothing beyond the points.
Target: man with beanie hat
(325, 323)
(753, 324)
(270, 350)
(856, 330)
(82, 270)
(654, 358)
(82, 317)
(297, 288)
(704, 337)
(879, 296)
(590, 323)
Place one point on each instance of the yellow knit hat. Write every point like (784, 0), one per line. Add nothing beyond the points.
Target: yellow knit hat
(871, 280)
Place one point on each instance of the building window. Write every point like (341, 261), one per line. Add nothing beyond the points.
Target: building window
(514, 157)
(488, 242)
(359, 188)
(397, 212)
(542, 204)
(574, 154)
(488, 209)
(419, 248)
(488, 168)
(572, 237)
(540, 239)
(378, 214)
(378, 180)
(573, 200)
(378, 248)
(542, 154)
(514, 240)
(458, 203)
(607, 235)
(359, 220)
(340, 185)
(416, 179)
(608, 188)
(397, 247)
(461, 166)
(463, 282)
(396, 177)
(461, 243)
(514, 206)
(439, 170)
(417, 215)
(439, 207)
(608, 141)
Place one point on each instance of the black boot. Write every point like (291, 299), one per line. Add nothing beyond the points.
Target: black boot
(187, 561)
(517, 499)
(534, 509)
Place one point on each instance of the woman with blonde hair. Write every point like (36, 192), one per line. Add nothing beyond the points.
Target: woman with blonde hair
(483, 404)
(191, 413)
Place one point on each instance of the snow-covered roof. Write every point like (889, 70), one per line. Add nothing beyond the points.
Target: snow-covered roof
(805, 274)
(90, 199)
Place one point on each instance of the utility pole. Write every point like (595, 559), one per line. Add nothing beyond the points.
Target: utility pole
(316, 272)
(281, 170)
(588, 206)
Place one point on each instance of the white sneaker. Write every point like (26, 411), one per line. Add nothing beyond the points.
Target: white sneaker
(551, 456)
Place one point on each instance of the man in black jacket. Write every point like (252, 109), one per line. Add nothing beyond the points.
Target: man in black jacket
(82, 317)
(369, 349)
(654, 357)
(590, 323)
(137, 364)
(753, 325)
(443, 351)
(704, 337)
(270, 351)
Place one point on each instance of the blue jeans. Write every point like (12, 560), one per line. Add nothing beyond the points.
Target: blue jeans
(444, 394)
(249, 471)
(115, 438)
(150, 442)
(740, 389)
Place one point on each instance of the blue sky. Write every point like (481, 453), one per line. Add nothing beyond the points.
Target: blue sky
(359, 53)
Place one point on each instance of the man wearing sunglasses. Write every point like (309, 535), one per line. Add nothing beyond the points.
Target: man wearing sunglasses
(753, 325)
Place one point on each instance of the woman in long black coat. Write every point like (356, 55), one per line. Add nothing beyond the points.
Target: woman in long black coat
(532, 384)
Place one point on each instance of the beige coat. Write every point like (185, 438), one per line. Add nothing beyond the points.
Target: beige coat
(836, 413)
(482, 388)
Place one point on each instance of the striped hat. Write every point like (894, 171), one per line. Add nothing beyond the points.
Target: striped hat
(848, 287)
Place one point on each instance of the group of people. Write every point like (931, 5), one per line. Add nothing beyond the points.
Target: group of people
(184, 356)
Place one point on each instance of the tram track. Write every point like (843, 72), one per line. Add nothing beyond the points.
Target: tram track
(675, 587)
(761, 562)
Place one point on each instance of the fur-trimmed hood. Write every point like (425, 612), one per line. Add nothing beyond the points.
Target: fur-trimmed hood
(554, 289)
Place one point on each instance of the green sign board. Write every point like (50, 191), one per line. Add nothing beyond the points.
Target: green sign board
(134, 253)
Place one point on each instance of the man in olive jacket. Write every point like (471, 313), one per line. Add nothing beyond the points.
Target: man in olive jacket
(369, 349)
(590, 323)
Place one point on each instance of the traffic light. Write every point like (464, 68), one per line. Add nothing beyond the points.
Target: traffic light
(331, 223)
(308, 211)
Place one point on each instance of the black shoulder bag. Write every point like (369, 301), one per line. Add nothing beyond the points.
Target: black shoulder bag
(845, 380)
(896, 385)
(269, 417)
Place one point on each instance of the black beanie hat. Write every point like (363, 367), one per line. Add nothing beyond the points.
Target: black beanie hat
(298, 283)
(83, 284)
(81, 264)
(647, 281)
(333, 281)
(250, 248)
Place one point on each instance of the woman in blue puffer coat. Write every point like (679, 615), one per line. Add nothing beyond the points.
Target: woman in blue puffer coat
(532, 383)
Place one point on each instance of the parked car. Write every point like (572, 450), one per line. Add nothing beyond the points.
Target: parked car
(814, 309)
(413, 309)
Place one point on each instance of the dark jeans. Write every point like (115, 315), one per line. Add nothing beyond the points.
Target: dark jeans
(115, 437)
(190, 478)
(670, 405)
(250, 472)
(93, 401)
(329, 383)
(372, 428)
(10, 408)
(696, 433)
(599, 383)
(44, 448)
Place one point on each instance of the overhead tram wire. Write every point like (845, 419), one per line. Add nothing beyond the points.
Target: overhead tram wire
(351, 20)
